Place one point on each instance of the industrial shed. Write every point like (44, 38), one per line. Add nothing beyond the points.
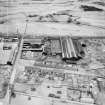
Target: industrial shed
(71, 49)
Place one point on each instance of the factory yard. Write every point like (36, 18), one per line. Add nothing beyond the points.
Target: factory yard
(56, 70)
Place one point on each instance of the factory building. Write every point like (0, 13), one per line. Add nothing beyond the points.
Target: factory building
(33, 45)
(71, 49)
(55, 47)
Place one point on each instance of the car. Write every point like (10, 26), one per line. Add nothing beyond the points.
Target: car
(51, 95)
(7, 47)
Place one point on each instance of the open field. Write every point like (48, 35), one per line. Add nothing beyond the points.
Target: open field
(53, 17)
